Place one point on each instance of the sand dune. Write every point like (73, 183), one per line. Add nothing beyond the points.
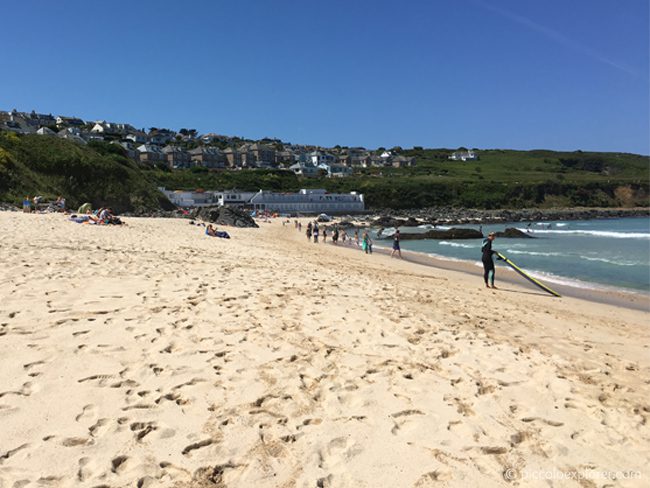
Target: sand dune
(152, 355)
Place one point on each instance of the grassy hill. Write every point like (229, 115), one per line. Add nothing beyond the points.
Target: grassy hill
(500, 179)
(98, 173)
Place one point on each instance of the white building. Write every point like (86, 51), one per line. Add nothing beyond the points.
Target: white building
(468, 155)
(309, 202)
(308, 170)
(319, 157)
(103, 127)
(338, 170)
(45, 131)
(189, 198)
(234, 197)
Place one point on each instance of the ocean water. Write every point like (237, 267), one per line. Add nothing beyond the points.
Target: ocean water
(592, 253)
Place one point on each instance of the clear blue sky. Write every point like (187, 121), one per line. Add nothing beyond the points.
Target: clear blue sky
(446, 73)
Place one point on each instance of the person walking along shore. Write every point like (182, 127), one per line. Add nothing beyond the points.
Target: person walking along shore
(486, 258)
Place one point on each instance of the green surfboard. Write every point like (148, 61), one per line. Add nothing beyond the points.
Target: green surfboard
(528, 277)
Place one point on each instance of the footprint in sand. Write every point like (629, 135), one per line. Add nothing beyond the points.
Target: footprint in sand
(88, 412)
(99, 428)
(76, 441)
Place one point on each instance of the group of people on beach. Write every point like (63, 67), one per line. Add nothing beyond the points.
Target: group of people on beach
(37, 204)
(314, 231)
(101, 216)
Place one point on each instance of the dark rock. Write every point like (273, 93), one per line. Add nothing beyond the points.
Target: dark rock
(513, 233)
(228, 216)
(443, 234)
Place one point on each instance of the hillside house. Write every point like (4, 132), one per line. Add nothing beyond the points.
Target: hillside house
(44, 131)
(320, 157)
(177, 157)
(130, 151)
(257, 155)
(138, 136)
(161, 136)
(402, 161)
(111, 128)
(337, 170)
(151, 154)
(69, 122)
(468, 155)
(39, 120)
(233, 157)
(306, 170)
(208, 157)
(71, 136)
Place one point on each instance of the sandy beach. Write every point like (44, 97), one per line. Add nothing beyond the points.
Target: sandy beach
(152, 355)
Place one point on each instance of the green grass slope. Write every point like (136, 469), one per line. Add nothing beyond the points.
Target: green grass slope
(500, 179)
(101, 174)
(98, 173)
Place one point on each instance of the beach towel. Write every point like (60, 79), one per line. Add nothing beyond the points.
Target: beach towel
(79, 219)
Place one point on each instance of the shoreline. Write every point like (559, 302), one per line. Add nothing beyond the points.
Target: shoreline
(616, 296)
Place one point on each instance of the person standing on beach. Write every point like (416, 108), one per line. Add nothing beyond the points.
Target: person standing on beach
(396, 248)
(488, 263)
(309, 231)
(315, 232)
(356, 237)
(335, 235)
(367, 243)
(324, 233)
(27, 205)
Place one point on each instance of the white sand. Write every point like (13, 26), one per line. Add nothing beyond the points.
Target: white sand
(152, 355)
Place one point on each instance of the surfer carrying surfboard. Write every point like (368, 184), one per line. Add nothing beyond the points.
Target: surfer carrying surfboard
(488, 263)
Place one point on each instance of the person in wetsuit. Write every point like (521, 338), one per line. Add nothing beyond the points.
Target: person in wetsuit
(488, 264)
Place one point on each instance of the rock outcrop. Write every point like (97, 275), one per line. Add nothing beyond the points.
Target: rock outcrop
(513, 233)
(227, 216)
(441, 234)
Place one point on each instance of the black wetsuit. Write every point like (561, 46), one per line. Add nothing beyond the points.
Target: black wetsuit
(488, 264)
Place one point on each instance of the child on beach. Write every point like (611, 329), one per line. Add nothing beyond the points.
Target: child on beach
(325, 234)
(27, 205)
(367, 243)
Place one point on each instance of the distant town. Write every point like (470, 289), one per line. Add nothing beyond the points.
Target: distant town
(187, 148)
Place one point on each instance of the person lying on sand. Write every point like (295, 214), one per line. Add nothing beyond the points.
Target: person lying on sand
(106, 217)
(213, 232)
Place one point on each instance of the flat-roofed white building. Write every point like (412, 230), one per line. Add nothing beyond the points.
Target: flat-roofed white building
(190, 198)
(309, 202)
(233, 197)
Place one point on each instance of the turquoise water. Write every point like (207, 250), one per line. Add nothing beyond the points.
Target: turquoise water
(611, 252)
